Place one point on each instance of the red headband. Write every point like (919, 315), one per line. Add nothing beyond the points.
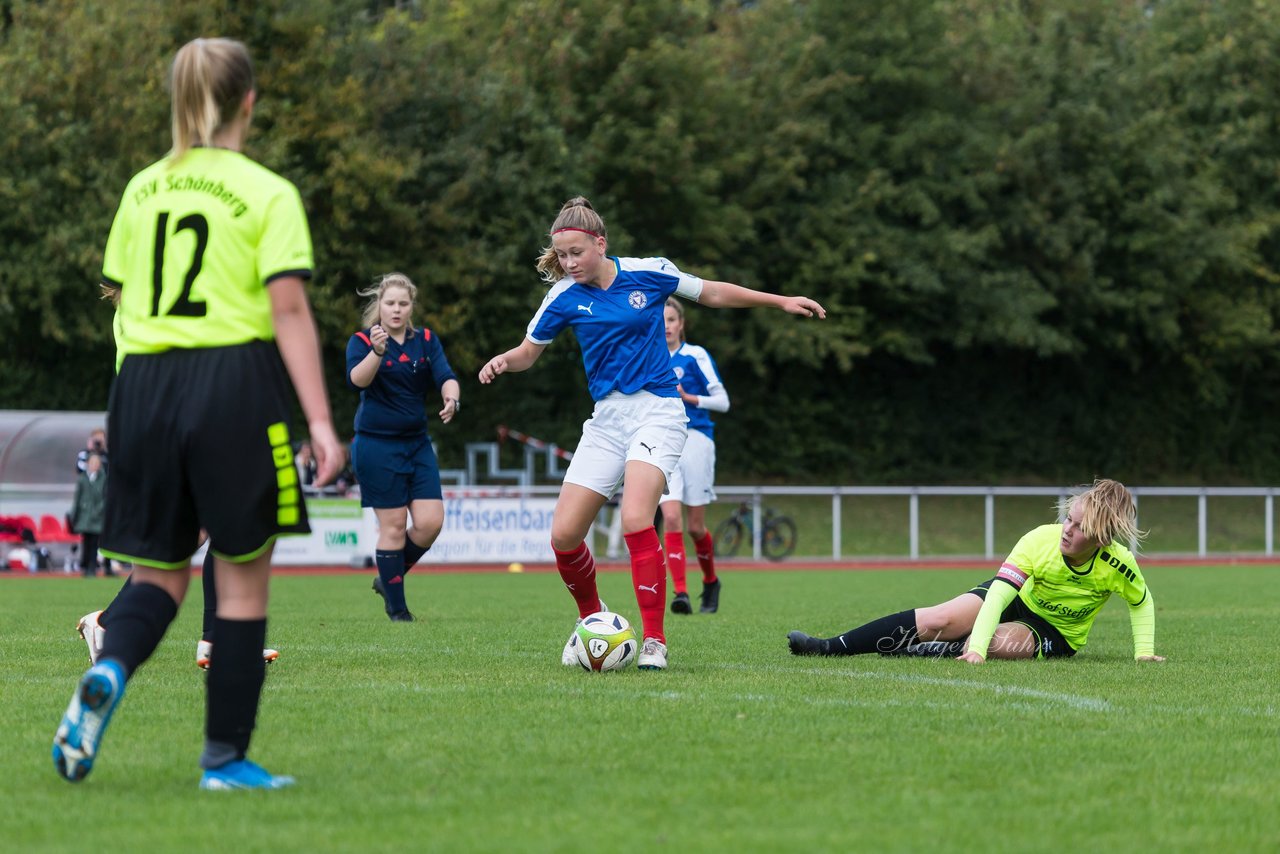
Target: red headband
(583, 230)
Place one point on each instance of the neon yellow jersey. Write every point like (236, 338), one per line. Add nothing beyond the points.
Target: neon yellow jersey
(1070, 597)
(194, 245)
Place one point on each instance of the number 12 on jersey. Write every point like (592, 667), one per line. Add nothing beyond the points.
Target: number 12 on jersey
(183, 306)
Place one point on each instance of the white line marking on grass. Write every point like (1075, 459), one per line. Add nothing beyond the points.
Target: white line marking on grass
(1074, 701)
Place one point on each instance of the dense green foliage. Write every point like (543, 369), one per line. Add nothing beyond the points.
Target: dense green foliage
(1046, 232)
(462, 731)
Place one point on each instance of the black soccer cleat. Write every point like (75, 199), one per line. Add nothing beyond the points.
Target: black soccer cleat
(802, 644)
(681, 605)
(401, 617)
(710, 597)
(381, 591)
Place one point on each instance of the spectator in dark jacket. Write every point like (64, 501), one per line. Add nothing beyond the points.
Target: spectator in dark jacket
(88, 512)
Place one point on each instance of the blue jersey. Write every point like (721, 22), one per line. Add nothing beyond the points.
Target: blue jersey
(695, 372)
(392, 405)
(620, 330)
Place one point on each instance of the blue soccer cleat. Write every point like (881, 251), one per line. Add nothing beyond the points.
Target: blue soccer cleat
(76, 744)
(242, 774)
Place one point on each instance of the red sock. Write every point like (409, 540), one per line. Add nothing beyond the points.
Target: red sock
(706, 557)
(676, 560)
(650, 580)
(578, 571)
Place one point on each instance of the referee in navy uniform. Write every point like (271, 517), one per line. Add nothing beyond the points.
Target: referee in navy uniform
(397, 366)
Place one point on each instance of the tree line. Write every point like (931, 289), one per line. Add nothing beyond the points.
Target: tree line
(1045, 231)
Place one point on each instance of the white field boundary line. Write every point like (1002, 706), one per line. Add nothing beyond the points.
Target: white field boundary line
(1071, 700)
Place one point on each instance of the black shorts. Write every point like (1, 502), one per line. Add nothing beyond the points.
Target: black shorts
(200, 439)
(1049, 641)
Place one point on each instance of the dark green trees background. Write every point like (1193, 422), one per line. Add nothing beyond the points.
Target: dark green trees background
(1046, 232)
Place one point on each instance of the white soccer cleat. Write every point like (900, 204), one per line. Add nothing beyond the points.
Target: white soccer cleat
(204, 649)
(653, 655)
(569, 658)
(93, 633)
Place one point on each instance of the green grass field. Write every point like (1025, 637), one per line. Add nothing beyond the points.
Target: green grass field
(462, 732)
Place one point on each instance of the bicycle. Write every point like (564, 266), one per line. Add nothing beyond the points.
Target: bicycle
(777, 533)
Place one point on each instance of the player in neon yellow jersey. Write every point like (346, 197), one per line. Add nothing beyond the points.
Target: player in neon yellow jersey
(207, 258)
(1041, 603)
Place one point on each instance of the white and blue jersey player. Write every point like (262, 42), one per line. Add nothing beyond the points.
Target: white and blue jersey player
(692, 483)
(638, 428)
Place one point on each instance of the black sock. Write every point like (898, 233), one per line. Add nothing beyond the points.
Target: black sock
(140, 615)
(102, 618)
(391, 571)
(896, 631)
(412, 553)
(210, 596)
(236, 674)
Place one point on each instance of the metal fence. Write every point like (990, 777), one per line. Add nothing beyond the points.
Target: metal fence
(756, 495)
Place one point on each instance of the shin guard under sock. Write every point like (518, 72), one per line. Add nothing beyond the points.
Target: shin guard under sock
(706, 553)
(105, 615)
(577, 570)
(234, 686)
(140, 615)
(676, 560)
(412, 553)
(885, 635)
(650, 580)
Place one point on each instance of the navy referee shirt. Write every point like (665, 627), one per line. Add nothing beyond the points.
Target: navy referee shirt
(393, 406)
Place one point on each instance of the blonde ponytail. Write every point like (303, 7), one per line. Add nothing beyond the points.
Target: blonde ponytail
(208, 81)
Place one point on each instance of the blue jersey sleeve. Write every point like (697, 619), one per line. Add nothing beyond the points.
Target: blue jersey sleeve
(551, 317)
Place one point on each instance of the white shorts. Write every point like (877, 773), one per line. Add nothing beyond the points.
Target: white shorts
(692, 483)
(625, 427)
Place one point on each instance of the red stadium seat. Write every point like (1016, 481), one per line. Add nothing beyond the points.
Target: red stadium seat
(52, 530)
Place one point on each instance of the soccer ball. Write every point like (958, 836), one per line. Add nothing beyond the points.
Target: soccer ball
(605, 641)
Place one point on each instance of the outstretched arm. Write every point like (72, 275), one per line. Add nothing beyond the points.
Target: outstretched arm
(519, 358)
(727, 295)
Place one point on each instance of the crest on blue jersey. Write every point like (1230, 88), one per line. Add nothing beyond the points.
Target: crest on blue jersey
(679, 372)
(638, 300)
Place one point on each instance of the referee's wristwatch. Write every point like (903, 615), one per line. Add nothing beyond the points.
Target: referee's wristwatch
(457, 404)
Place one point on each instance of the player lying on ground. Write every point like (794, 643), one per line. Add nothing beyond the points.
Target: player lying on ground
(1041, 603)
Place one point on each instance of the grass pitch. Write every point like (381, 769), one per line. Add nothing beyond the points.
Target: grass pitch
(462, 732)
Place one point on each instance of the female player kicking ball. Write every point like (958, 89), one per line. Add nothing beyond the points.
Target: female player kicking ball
(1041, 603)
(637, 431)
(208, 253)
(396, 366)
